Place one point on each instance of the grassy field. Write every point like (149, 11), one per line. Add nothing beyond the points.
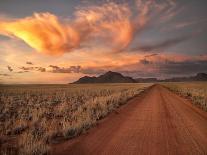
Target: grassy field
(196, 91)
(34, 116)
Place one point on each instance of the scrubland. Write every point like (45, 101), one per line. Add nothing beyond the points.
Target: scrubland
(196, 91)
(32, 117)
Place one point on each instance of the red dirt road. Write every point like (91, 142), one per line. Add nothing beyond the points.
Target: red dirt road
(156, 123)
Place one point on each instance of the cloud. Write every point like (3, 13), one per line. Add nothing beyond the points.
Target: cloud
(144, 61)
(162, 45)
(171, 11)
(29, 63)
(151, 55)
(165, 65)
(151, 65)
(109, 22)
(49, 34)
(77, 69)
(71, 69)
(184, 25)
(114, 25)
(189, 23)
(43, 32)
(41, 69)
(168, 65)
(27, 69)
(185, 67)
(9, 68)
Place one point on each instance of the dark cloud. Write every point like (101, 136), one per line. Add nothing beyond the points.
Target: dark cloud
(145, 61)
(29, 63)
(77, 69)
(162, 45)
(71, 69)
(173, 68)
(160, 68)
(41, 69)
(26, 68)
(54, 67)
(9, 68)
(183, 68)
(166, 68)
(150, 55)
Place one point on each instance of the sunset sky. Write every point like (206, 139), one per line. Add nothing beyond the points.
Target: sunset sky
(59, 41)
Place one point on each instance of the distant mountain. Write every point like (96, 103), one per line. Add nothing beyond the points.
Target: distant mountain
(114, 77)
(146, 80)
(200, 77)
(108, 77)
(197, 77)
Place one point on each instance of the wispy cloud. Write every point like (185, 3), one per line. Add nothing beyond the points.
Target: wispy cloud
(113, 24)
(170, 11)
(165, 65)
(161, 45)
(151, 55)
(189, 23)
(27, 69)
(43, 32)
(71, 69)
(77, 69)
(49, 34)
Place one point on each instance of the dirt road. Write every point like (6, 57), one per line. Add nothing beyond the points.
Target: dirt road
(156, 123)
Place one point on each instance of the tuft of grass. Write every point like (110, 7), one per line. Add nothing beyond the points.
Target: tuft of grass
(38, 115)
(196, 91)
(28, 143)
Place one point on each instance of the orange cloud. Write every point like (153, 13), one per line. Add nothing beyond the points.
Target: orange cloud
(43, 32)
(111, 24)
(48, 34)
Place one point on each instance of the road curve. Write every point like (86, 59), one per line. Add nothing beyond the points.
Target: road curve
(156, 123)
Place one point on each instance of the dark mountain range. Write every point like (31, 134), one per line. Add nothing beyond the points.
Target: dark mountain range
(198, 77)
(114, 77)
(146, 80)
(108, 77)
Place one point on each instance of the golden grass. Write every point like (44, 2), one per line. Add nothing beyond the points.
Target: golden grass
(38, 115)
(196, 91)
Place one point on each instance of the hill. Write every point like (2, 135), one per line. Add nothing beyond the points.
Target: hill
(108, 77)
(114, 77)
(146, 80)
(201, 77)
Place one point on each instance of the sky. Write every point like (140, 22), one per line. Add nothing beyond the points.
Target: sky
(59, 41)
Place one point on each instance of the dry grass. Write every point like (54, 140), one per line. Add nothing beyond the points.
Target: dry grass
(34, 116)
(196, 91)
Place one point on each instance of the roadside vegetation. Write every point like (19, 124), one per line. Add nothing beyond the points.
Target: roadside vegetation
(196, 91)
(32, 117)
